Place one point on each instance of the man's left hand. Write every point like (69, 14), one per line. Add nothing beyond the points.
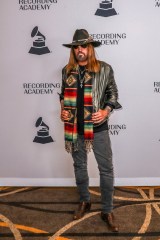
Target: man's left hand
(99, 116)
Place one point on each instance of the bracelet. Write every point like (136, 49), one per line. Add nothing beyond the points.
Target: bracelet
(108, 109)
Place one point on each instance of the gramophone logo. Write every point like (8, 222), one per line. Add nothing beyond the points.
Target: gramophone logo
(105, 9)
(157, 4)
(43, 133)
(39, 46)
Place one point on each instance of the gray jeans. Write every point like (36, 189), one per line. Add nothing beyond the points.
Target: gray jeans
(103, 154)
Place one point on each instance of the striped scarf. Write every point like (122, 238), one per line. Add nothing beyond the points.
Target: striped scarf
(70, 105)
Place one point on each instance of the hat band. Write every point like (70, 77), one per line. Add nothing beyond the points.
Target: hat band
(81, 40)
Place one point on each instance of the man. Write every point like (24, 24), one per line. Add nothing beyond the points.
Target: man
(88, 95)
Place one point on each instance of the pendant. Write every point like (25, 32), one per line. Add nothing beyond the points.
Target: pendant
(81, 83)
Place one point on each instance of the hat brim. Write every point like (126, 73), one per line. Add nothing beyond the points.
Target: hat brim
(78, 43)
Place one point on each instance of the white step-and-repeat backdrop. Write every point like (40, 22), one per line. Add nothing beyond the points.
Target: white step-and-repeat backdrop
(31, 58)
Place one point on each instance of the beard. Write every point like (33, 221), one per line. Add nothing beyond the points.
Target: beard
(81, 57)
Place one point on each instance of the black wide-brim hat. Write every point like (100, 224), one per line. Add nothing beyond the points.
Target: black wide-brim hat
(81, 37)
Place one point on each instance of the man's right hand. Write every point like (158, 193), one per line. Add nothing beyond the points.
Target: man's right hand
(64, 115)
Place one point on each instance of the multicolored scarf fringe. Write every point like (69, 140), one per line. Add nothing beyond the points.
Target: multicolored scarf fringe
(70, 104)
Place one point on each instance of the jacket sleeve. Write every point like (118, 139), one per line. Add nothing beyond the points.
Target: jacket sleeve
(111, 92)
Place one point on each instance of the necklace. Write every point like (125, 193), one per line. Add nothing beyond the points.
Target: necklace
(81, 73)
(81, 82)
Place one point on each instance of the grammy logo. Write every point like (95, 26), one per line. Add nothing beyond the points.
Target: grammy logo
(106, 9)
(38, 47)
(43, 133)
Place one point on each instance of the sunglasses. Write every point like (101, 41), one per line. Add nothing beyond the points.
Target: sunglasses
(83, 46)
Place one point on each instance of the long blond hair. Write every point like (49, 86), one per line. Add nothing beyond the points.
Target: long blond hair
(93, 64)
